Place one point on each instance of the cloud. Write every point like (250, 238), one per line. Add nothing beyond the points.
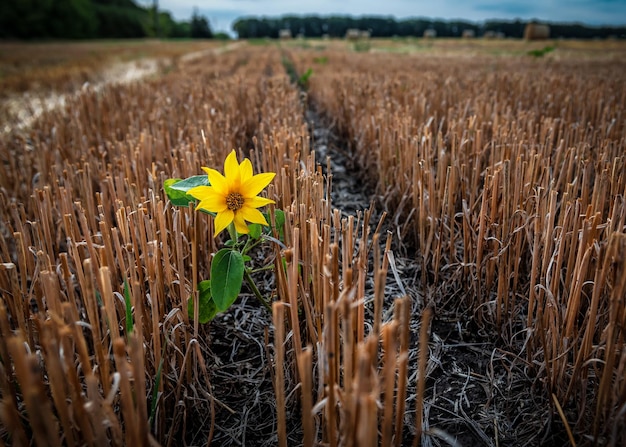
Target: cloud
(221, 13)
(506, 9)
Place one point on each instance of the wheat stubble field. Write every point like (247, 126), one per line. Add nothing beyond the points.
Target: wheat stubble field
(451, 270)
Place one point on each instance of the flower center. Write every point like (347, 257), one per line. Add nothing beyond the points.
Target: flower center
(234, 201)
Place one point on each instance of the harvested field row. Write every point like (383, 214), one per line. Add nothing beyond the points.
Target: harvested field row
(62, 66)
(85, 230)
(511, 198)
(98, 270)
(507, 178)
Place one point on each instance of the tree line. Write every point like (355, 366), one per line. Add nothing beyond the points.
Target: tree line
(337, 26)
(85, 19)
(88, 19)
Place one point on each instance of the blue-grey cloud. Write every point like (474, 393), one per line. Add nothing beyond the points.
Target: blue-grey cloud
(222, 13)
(506, 9)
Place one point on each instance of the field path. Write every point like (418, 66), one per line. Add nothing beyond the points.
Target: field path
(23, 109)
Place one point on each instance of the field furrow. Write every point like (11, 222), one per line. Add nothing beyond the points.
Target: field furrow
(480, 300)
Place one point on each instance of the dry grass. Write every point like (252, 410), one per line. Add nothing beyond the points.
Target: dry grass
(35, 78)
(83, 215)
(503, 179)
(60, 66)
(511, 173)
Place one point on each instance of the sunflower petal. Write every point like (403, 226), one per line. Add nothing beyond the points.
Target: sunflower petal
(217, 181)
(213, 201)
(222, 220)
(257, 202)
(232, 171)
(199, 192)
(256, 184)
(252, 215)
(246, 170)
(240, 224)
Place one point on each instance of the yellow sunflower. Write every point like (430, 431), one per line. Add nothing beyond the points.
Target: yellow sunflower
(234, 195)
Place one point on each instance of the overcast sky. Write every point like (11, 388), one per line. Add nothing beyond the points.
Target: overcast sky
(222, 13)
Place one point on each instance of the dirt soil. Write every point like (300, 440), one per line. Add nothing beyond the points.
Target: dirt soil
(478, 391)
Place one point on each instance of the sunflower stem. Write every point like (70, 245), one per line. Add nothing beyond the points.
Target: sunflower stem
(233, 232)
(263, 269)
(255, 289)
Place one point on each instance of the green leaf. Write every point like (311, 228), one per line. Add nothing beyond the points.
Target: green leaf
(207, 309)
(226, 277)
(303, 81)
(279, 218)
(129, 310)
(99, 299)
(176, 189)
(255, 231)
(246, 258)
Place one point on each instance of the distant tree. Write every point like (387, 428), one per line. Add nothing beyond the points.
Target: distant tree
(336, 26)
(156, 19)
(509, 28)
(24, 19)
(81, 19)
(121, 19)
(40, 19)
(200, 28)
(164, 27)
(181, 30)
(221, 36)
(73, 19)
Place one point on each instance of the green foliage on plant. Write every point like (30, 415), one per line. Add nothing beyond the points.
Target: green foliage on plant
(130, 325)
(228, 266)
(207, 309)
(303, 80)
(176, 189)
(88, 19)
(542, 52)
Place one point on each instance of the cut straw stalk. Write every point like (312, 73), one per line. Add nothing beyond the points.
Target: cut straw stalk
(532, 174)
(421, 375)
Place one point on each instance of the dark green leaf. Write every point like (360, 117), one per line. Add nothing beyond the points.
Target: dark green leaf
(303, 80)
(207, 309)
(129, 309)
(226, 277)
(99, 299)
(279, 218)
(176, 189)
(255, 231)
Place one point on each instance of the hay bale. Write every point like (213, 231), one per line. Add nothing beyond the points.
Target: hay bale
(468, 34)
(536, 31)
(284, 34)
(353, 34)
(430, 33)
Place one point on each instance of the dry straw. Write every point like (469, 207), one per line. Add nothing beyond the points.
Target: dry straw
(505, 187)
(511, 187)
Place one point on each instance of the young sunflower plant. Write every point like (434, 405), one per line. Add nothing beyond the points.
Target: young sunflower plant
(233, 200)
